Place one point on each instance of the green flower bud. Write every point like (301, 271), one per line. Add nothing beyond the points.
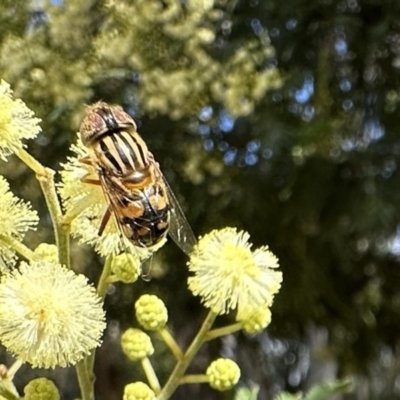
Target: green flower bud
(47, 252)
(138, 391)
(136, 344)
(126, 267)
(151, 312)
(223, 374)
(41, 389)
(258, 321)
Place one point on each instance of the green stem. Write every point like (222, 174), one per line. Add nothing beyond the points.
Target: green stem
(31, 162)
(171, 343)
(151, 375)
(13, 369)
(70, 215)
(61, 231)
(45, 176)
(102, 287)
(85, 380)
(181, 366)
(226, 330)
(19, 247)
(104, 282)
(194, 379)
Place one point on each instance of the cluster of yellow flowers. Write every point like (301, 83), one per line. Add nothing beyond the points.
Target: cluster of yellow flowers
(50, 316)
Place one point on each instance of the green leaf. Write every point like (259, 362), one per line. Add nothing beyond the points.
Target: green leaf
(288, 396)
(326, 390)
(7, 390)
(247, 393)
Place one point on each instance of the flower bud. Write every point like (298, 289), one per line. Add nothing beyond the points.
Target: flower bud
(223, 374)
(126, 267)
(41, 389)
(258, 321)
(151, 312)
(47, 252)
(138, 391)
(136, 344)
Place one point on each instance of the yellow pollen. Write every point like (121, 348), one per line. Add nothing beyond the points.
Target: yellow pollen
(237, 259)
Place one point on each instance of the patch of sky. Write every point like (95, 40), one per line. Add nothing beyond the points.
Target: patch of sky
(347, 105)
(256, 26)
(341, 46)
(274, 32)
(348, 145)
(250, 158)
(226, 122)
(291, 24)
(307, 90)
(394, 243)
(267, 154)
(253, 146)
(208, 145)
(204, 130)
(38, 18)
(308, 113)
(230, 156)
(373, 130)
(206, 113)
(345, 85)
(223, 146)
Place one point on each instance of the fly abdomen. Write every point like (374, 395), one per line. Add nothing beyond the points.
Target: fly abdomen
(147, 230)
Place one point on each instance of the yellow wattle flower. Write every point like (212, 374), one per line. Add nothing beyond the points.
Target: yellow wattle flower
(17, 217)
(228, 275)
(17, 122)
(49, 316)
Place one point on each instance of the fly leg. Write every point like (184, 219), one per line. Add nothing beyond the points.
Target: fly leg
(104, 220)
(92, 179)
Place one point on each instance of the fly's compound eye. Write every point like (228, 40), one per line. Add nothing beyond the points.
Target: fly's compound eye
(101, 118)
(123, 119)
(92, 124)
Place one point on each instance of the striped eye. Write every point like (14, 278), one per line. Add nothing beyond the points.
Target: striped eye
(123, 118)
(92, 125)
(100, 118)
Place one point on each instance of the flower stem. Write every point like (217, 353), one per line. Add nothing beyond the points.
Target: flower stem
(19, 247)
(171, 343)
(45, 176)
(31, 162)
(70, 215)
(151, 375)
(85, 380)
(181, 366)
(102, 286)
(201, 378)
(13, 369)
(61, 231)
(101, 291)
(226, 330)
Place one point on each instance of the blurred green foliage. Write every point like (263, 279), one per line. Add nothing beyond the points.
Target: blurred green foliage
(280, 118)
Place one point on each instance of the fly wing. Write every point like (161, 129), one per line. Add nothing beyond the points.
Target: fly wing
(179, 230)
(114, 198)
